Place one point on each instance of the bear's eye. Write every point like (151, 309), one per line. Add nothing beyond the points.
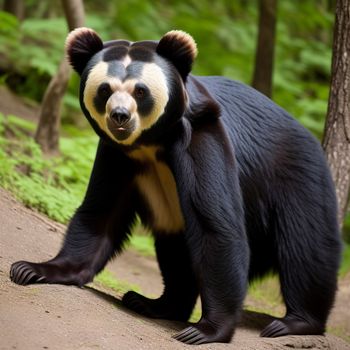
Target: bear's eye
(140, 91)
(104, 90)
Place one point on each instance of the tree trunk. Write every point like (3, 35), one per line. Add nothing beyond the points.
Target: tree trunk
(47, 133)
(74, 12)
(15, 7)
(264, 57)
(336, 140)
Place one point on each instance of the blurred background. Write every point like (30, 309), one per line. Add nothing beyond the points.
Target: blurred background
(283, 48)
(226, 33)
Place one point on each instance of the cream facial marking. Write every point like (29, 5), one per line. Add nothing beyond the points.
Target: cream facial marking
(158, 187)
(96, 77)
(126, 61)
(120, 91)
(153, 77)
(121, 99)
(122, 96)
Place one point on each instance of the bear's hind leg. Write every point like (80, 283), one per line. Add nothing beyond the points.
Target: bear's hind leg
(308, 248)
(180, 289)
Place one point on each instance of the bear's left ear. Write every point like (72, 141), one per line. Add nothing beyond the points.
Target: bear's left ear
(179, 48)
(81, 44)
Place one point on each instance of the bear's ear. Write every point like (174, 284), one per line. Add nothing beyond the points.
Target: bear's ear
(81, 44)
(179, 48)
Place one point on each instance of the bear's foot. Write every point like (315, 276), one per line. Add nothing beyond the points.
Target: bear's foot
(24, 273)
(205, 332)
(59, 271)
(291, 325)
(156, 308)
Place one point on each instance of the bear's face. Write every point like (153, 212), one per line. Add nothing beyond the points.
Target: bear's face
(127, 88)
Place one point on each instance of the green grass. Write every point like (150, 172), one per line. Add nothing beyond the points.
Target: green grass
(144, 244)
(345, 265)
(339, 332)
(196, 315)
(53, 186)
(266, 289)
(107, 280)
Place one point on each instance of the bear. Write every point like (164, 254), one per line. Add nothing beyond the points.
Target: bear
(231, 186)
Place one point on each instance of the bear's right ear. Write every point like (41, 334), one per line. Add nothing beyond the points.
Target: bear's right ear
(81, 44)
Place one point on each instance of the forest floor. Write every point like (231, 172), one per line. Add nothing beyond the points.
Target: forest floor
(65, 317)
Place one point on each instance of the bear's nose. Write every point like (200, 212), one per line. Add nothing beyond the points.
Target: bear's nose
(120, 115)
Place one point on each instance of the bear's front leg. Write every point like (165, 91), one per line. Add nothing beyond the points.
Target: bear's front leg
(90, 241)
(96, 231)
(207, 176)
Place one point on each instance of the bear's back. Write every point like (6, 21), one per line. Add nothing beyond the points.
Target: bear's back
(264, 135)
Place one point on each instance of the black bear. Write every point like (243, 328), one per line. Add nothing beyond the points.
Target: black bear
(231, 186)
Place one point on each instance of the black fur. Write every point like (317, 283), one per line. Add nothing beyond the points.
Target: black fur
(104, 91)
(81, 48)
(256, 195)
(115, 53)
(145, 103)
(178, 51)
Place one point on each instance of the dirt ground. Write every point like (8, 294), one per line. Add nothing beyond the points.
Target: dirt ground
(63, 317)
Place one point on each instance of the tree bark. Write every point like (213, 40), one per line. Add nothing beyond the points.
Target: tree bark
(15, 7)
(74, 12)
(47, 133)
(264, 57)
(336, 140)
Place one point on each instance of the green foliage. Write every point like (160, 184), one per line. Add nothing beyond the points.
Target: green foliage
(345, 265)
(225, 32)
(144, 244)
(346, 228)
(213, 33)
(302, 62)
(9, 37)
(53, 186)
(107, 280)
(26, 48)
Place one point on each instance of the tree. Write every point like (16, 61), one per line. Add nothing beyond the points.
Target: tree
(263, 71)
(15, 7)
(336, 141)
(47, 133)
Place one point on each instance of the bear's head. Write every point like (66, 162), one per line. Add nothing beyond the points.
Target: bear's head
(131, 90)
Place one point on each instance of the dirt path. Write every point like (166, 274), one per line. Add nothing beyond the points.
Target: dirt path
(61, 317)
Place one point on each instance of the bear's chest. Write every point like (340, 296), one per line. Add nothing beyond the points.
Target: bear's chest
(157, 187)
